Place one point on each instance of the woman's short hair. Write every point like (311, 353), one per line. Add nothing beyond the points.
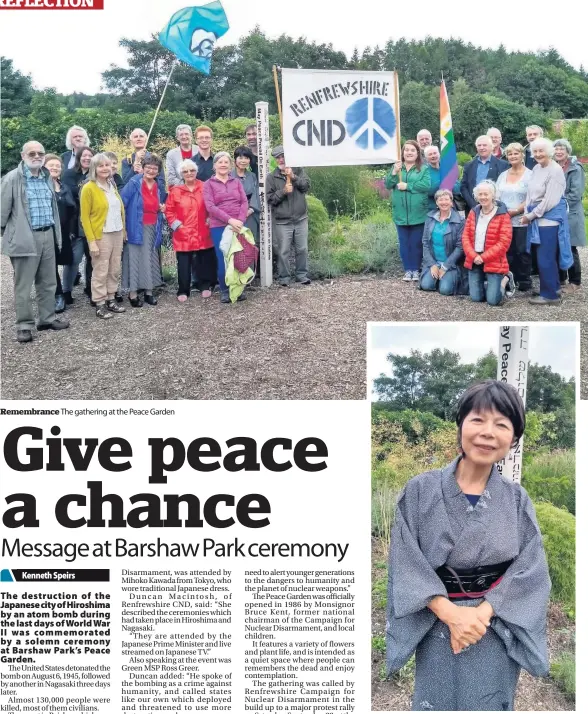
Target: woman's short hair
(79, 153)
(411, 142)
(152, 160)
(183, 127)
(427, 150)
(487, 183)
(558, 142)
(97, 159)
(492, 395)
(543, 142)
(187, 164)
(52, 157)
(219, 155)
(243, 151)
(443, 192)
(68, 144)
(515, 146)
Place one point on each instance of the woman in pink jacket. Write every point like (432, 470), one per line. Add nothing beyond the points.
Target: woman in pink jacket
(227, 205)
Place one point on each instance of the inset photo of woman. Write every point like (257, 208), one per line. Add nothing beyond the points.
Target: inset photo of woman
(473, 516)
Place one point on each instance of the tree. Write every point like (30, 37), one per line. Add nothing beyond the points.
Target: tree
(426, 382)
(16, 90)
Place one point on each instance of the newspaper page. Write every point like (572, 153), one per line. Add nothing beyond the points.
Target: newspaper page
(152, 562)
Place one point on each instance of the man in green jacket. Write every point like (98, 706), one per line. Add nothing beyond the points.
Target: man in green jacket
(286, 194)
(30, 230)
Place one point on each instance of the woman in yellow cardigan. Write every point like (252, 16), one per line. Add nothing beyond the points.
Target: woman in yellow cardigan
(103, 218)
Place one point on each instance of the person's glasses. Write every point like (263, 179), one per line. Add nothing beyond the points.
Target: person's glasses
(32, 154)
(189, 171)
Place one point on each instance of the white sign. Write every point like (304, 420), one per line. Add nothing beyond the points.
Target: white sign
(340, 117)
(265, 222)
(513, 366)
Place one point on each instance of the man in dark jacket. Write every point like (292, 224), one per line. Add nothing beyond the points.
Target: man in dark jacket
(533, 132)
(286, 194)
(30, 231)
(483, 166)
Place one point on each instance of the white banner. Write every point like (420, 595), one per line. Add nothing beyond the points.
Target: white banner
(340, 118)
(513, 366)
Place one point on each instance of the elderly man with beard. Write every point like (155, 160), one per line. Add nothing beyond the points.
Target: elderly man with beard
(30, 231)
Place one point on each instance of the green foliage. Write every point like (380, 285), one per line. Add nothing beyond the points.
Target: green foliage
(336, 187)
(356, 247)
(563, 670)
(16, 91)
(551, 477)
(169, 273)
(379, 591)
(463, 158)
(433, 382)
(417, 426)
(379, 643)
(318, 219)
(558, 528)
(576, 132)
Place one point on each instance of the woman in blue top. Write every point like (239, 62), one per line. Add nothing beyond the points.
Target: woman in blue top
(443, 254)
(144, 201)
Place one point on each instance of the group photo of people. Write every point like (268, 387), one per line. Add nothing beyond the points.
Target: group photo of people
(59, 211)
(516, 212)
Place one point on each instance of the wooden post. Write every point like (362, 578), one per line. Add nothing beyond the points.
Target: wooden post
(397, 98)
(265, 219)
(278, 99)
(513, 366)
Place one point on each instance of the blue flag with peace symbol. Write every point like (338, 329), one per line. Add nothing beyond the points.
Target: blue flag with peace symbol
(191, 33)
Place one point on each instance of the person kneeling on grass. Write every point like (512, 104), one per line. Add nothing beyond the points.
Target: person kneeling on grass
(103, 218)
(486, 239)
(443, 254)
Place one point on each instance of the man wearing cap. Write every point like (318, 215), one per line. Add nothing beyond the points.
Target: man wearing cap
(30, 230)
(286, 194)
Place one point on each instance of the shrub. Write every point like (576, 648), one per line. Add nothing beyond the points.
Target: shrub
(558, 528)
(318, 220)
(563, 670)
(551, 477)
(417, 426)
(345, 190)
(463, 158)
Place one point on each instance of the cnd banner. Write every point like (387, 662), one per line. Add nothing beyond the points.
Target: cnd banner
(340, 118)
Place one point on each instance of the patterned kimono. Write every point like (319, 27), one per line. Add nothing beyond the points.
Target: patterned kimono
(436, 525)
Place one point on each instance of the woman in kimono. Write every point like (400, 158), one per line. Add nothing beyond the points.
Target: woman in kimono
(468, 581)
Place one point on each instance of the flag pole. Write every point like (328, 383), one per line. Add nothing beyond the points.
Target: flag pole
(174, 65)
(397, 98)
(278, 99)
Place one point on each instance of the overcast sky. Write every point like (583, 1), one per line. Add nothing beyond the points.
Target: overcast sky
(550, 344)
(69, 49)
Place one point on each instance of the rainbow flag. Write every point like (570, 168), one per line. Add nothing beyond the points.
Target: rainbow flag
(449, 168)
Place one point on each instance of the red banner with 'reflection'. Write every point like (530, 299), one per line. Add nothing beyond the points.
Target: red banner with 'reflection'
(51, 4)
